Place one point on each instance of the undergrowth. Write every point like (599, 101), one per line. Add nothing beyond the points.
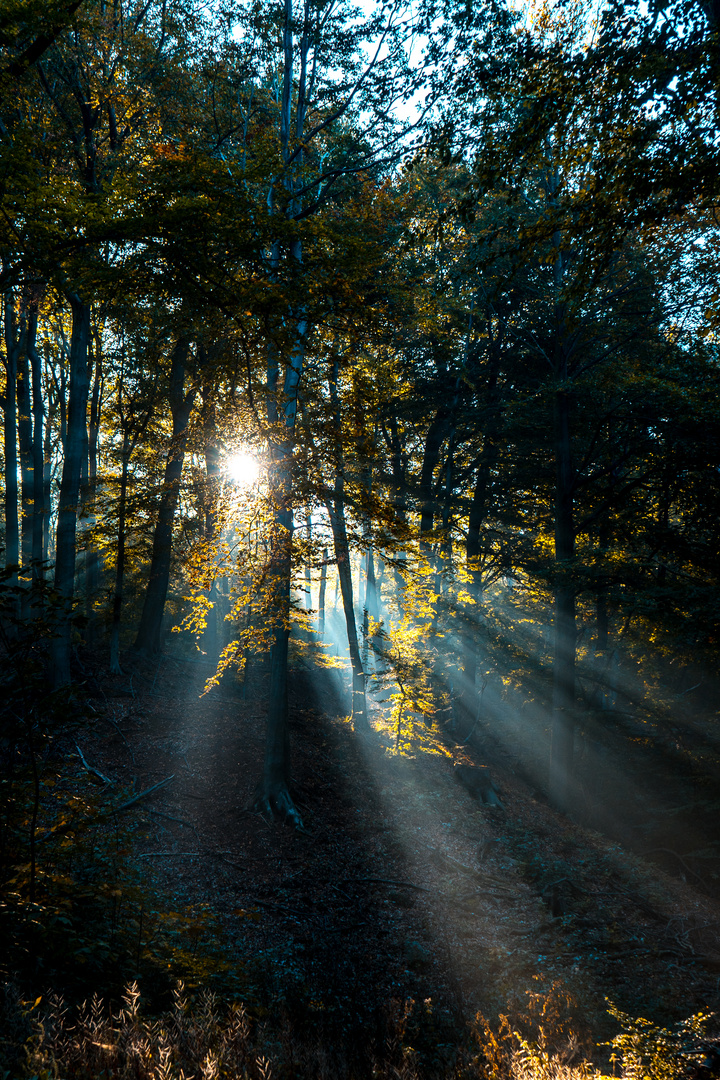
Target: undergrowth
(77, 910)
(202, 1038)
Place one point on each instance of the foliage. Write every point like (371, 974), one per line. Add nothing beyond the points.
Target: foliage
(202, 1036)
(646, 1051)
(75, 910)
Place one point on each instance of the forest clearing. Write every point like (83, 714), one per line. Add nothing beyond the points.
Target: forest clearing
(359, 609)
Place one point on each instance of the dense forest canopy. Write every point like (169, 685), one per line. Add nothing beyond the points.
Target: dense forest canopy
(475, 345)
(384, 336)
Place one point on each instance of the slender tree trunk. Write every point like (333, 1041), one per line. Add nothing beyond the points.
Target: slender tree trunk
(92, 558)
(273, 797)
(431, 456)
(602, 626)
(25, 441)
(478, 515)
(39, 507)
(336, 511)
(371, 612)
(66, 532)
(563, 702)
(321, 594)
(147, 642)
(115, 668)
(371, 592)
(397, 494)
(308, 569)
(211, 635)
(12, 523)
(47, 481)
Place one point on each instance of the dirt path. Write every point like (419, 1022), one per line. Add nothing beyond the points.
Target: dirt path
(403, 885)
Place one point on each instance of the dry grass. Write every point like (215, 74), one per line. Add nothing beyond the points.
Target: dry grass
(201, 1039)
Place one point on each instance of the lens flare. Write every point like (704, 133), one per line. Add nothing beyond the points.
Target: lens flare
(242, 468)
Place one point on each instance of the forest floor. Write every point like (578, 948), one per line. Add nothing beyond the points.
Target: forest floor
(402, 887)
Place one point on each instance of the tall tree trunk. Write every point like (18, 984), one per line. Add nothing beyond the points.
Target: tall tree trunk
(47, 479)
(273, 794)
(273, 797)
(562, 734)
(115, 668)
(147, 642)
(308, 569)
(66, 532)
(92, 558)
(25, 441)
(478, 515)
(371, 611)
(431, 456)
(321, 594)
(336, 512)
(371, 592)
(12, 522)
(563, 698)
(38, 467)
(398, 497)
(211, 635)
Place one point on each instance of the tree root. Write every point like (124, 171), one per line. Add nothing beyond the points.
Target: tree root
(277, 804)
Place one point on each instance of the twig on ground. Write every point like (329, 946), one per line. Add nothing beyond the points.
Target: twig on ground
(173, 854)
(191, 854)
(92, 770)
(143, 794)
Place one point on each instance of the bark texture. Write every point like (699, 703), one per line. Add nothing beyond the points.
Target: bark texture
(147, 641)
(66, 532)
(563, 701)
(12, 520)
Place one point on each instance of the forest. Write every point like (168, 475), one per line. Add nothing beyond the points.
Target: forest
(360, 584)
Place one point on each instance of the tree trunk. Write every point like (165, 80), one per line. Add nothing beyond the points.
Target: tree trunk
(336, 510)
(431, 456)
(321, 595)
(147, 642)
(115, 668)
(92, 559)
(40, 508)
(273, 797)
(211, 635)
(25, 441)
(47, 479)
(563, 698)
(12, 523)
(371, 612)
(308, 569)
(397, 495)
(478, 515)
(66, 532)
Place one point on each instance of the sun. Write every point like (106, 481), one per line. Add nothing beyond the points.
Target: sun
(243, 468)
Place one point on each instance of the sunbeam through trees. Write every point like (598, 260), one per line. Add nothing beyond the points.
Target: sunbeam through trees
(359, 601)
